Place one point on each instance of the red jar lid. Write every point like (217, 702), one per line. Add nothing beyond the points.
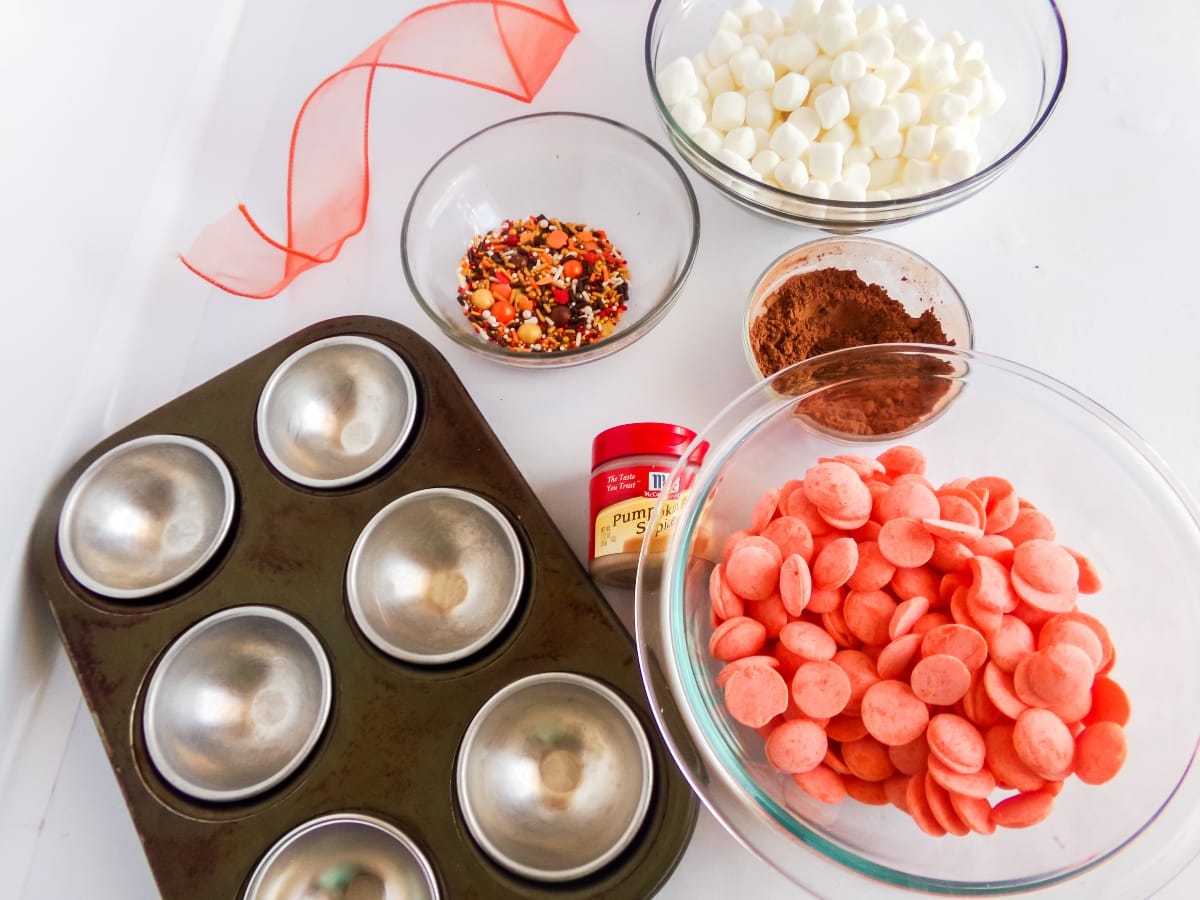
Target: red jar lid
(640, 439)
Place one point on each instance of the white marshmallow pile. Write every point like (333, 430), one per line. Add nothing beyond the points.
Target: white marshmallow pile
(830, 102)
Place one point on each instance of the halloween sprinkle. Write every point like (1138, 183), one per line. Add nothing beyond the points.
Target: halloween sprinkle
(540, 284)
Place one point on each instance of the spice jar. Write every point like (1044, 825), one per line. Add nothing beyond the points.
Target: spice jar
(630, 468)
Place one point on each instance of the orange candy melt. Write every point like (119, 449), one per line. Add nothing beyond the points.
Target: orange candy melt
(896, 642)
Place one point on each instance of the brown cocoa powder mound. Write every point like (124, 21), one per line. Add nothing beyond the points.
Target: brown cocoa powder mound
(830, 309)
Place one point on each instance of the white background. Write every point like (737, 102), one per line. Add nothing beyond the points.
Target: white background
(126, 126)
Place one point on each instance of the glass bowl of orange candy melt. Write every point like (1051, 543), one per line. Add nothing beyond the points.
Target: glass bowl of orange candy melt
(944, 644)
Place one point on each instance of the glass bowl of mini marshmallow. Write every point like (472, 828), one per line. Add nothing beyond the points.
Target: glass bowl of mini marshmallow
(845, 116)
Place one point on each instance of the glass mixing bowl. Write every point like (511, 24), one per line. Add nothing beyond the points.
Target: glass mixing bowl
(575, 167)
(1025, 46)
(1109, 496)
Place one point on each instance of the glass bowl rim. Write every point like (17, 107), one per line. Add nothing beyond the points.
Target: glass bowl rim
(603, 347)
(897, 204)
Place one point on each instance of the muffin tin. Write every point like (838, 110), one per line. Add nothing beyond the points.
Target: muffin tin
(301, 598)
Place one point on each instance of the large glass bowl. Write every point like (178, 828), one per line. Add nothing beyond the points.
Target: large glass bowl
(577, 168)
(1025, 45)
(1109, 496)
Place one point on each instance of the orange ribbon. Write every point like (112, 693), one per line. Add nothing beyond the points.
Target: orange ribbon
(513, 48)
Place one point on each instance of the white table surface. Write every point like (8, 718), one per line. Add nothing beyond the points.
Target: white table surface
(129, 125)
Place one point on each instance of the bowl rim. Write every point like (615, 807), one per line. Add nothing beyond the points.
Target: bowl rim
(159, 672)
(662, 657)
(354, 598)
(66, 518)
(897, 204)
(263, 431)
(591, 685)
(619, 339)
(263, 867)
(809, 247)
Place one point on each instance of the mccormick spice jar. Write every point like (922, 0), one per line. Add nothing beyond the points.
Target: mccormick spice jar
(630, 468)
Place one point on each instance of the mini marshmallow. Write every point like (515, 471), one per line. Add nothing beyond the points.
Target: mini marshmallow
(919, 175)
(816, 188)
(876, 47)
(857, 153)
(796, 52)
(732, 22)
(757, 41)
(701, 64)
(937, 75)
(758, 76)
(970, 50)
(849, 66)
(788, 141)
(947, 140)
(908, 106)
(957, 165)
(743, 9)
(866, 93)
(889, 147)
(841, 133)
(836, 32)
(677, 81)
(993, 98)
(894, 72)
(720, 80)
(877, 196)
(857, 173)
(897, 15)
(735, 162)
(722, 46)
(764, 162)
(912, 41)
(817, 71)
(940, 51)
(975, 68)
(708, 141)
(792, 175)
(919, 142)
(884, 172)
(833, 106)
(971, 90)
(837, 7)
(740, 141)
(825, 160)
(848, 191)
(802, 12)
(702, 93)
(728, 111)
(948, 109)
(767, 22)
(689, 115)
(740, 60)
(876, 124)
(871, 18)
(954, 38)
(806, 121)
(970, 128)
(759, 111)
(762, 138)
(791, 90)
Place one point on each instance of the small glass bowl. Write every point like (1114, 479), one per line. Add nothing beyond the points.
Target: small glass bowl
(1025, 45)
(574, 167)
(911, 280)
(1108, 495)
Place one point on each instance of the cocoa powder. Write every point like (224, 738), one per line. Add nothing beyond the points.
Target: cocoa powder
(864, 394)
(831, 309)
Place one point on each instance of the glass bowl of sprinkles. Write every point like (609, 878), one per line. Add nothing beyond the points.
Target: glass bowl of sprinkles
(811, 704)
(550, 239)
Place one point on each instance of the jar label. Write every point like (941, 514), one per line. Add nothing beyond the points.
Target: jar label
(622, 501)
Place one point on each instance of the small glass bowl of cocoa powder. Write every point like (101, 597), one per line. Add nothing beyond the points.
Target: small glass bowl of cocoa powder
(842, 292)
